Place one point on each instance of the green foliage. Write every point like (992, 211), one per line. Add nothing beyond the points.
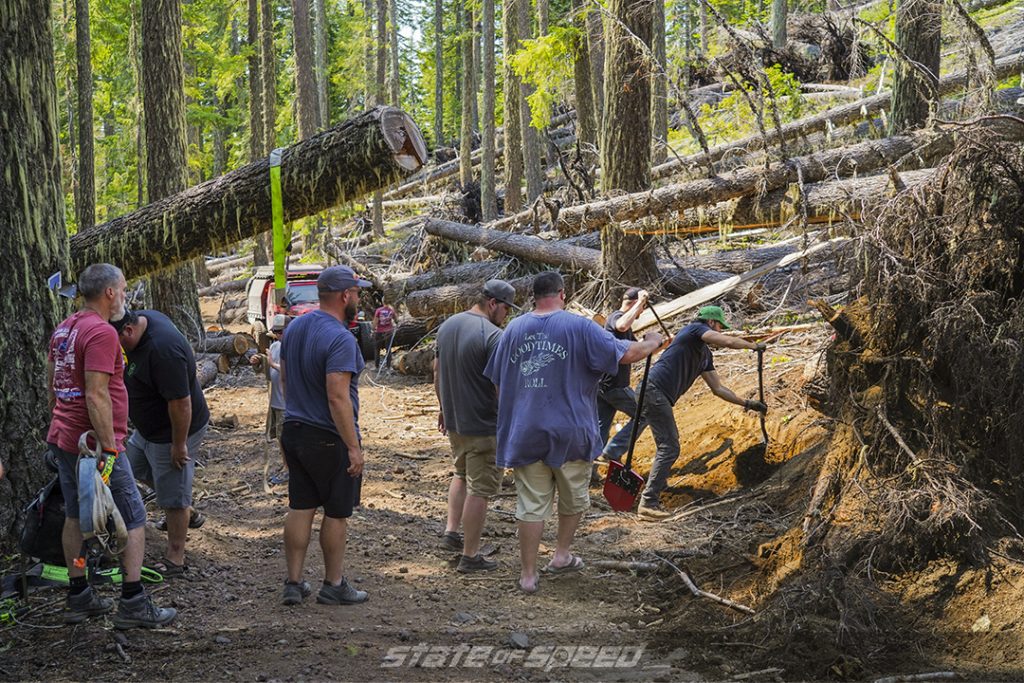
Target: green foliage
(733, 117)
(546, 63)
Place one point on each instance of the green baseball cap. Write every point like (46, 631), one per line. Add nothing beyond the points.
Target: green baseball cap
(713, 313)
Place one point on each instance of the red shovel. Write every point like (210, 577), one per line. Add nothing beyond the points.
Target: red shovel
(623, 485)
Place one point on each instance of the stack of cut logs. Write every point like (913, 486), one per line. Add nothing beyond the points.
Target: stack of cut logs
(218, 352)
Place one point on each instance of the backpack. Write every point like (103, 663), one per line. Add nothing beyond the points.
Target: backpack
(44, 525)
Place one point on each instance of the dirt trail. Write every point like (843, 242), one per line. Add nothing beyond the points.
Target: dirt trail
(232, 625)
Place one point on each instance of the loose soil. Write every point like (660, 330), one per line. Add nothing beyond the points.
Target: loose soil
(736, 533)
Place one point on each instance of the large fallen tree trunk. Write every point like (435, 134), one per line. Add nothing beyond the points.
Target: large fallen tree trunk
(222, 265)
(463, 272)
(206, 373)
(837, 116)
(337, 165)
(220, 360)
(224, 287)
(231, 344)
(449, 299)
(843, 161)
(521, 246)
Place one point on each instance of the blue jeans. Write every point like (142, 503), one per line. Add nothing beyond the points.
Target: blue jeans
(609, 402)
(658, 414)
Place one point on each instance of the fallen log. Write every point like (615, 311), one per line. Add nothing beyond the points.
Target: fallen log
(226, 316)
(224, 287)
(231, 344)
(221, 360)
(521, 246)
(837, 116)
(418, 362)
(463, 272)
(857, 158)
(718, 289)
(411, 202)
(206, 373)
(298, 246)
(340, 164)
(450, 299)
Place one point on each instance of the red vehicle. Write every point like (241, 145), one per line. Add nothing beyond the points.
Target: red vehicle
(300, 297)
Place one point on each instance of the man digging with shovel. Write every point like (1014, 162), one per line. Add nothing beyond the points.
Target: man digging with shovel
(686, 358)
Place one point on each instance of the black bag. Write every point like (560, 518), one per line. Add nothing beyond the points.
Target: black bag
(44, 525)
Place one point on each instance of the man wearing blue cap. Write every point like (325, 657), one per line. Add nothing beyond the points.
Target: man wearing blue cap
(320, 366)
(686, 358)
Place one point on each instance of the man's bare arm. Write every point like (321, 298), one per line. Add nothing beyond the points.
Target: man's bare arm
(343, 414)
(100, 407)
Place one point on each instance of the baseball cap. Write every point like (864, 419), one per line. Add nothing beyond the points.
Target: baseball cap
(338, 279)
(502, 291)
(713, 313)
(632, 294)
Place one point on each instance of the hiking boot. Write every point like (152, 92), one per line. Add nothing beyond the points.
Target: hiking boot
(140, 612)
(468, 565)
(342, 594)
(195, 520)
(294, 593)
(452, 540)
(84, 605)
(652, 512)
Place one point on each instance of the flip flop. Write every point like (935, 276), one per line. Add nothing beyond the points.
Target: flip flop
(575, 565)
(169, 570)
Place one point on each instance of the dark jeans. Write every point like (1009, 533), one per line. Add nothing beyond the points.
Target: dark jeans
(658, 414)
(608, 402)
(381, 341)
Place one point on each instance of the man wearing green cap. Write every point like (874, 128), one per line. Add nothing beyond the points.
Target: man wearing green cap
(686, 358)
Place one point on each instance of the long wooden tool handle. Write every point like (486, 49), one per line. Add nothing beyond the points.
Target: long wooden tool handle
(760, 391)
(639, 408)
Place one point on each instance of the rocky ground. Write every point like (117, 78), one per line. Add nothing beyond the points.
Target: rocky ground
(424, 621)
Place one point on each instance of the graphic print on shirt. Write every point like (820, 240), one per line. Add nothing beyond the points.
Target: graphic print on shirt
(64, 386)
(536, 353)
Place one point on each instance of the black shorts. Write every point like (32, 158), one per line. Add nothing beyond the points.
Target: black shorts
(318, 470)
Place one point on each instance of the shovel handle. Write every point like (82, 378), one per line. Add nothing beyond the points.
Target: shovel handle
(664, 329)
(760, 391)
(636, 419)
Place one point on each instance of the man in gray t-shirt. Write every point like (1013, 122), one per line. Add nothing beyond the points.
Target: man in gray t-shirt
(469, 410)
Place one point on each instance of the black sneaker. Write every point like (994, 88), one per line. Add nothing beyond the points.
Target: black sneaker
(140, 612)
(468, 565)
(452, 540)
(196, 519)
(342, 594)
(294, 593)
(84, 605)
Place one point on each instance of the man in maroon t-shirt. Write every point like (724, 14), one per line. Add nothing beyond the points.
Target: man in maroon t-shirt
(383, 327)
(86, 386)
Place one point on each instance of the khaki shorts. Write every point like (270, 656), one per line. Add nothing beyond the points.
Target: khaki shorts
(475, 462)
(535, 490)
(275, 422)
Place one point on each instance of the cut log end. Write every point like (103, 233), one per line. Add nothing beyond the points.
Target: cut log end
(404, 138)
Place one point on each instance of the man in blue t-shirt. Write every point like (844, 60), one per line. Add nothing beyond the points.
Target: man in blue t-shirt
(546, 367)
(320, 366)
(686, 358)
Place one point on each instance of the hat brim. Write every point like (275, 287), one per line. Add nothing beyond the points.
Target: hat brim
(509, 304)
(363, 283)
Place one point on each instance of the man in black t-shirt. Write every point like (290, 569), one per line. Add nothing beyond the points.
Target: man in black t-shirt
(167, 407)
(686, 358)
(614, 393)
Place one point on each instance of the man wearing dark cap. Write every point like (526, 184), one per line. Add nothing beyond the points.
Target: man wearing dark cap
(468, 415)
(614, 393)
(320, 366)
(546, 367)
(686, 358)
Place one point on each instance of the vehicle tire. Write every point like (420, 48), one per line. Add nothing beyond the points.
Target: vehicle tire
(259, 333)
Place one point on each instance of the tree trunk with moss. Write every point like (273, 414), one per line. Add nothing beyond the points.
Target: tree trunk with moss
(33, 244)
(268, 75)
(513, 134)
(308, 109)
(468, 94)
(438, 73)
(256, 137)
(163, 74)
(379, 98)
(780, 10)
(488, 185)
(338, 165)
(659, 85)
(531, 142)
(586, 119)
(915, 82)
(394, 58)
(626, 139)
(320, 59)
(85, 199)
